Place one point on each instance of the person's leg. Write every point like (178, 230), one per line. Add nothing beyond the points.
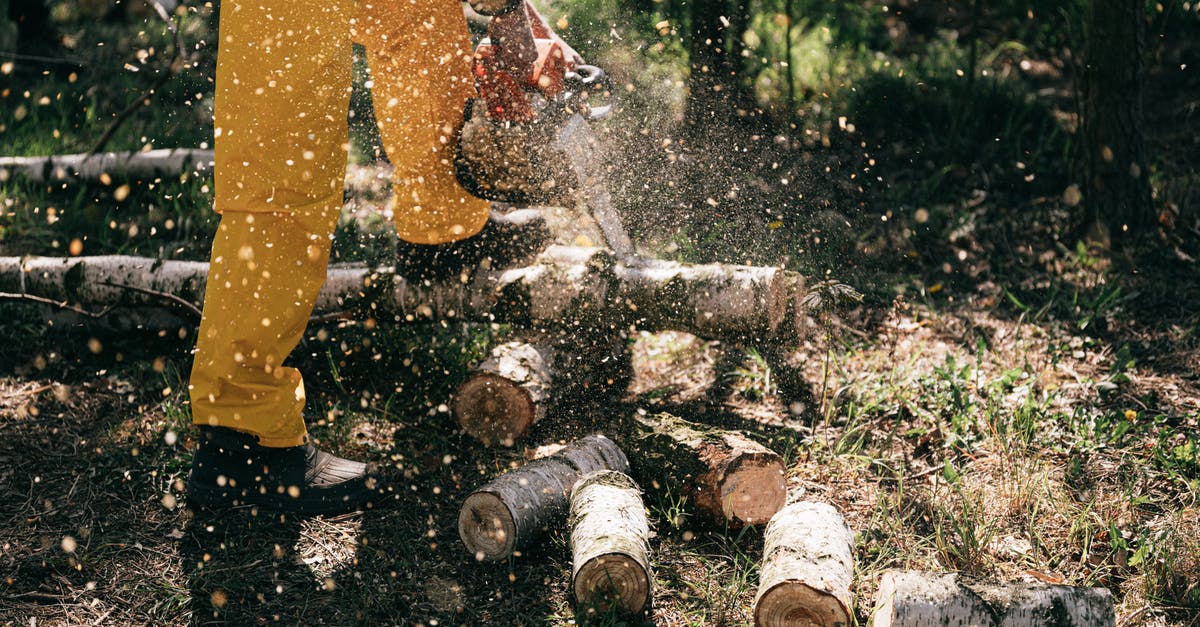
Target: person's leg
(283, 80)
(420, 55)
(265, 274)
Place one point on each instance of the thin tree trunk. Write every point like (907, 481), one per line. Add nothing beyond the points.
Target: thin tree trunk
(1117, 191)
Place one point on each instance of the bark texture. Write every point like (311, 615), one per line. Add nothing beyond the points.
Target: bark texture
(912, 599)
(127, 165)
(505, 394)
(610, 544)
(731, 479)
(565, 287)
(807, 568)
(1118, 189)
(501, 517)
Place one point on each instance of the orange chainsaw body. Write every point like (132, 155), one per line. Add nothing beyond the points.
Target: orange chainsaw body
(508, 97)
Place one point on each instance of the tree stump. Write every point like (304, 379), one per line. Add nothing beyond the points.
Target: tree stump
(807, 568)
(911, 599)
(505, 394)
(731, 479)
(610, 544)
(504, 515)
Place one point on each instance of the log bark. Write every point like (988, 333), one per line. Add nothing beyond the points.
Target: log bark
(505, 394)
(807, 568)
(733, 480)
(564, 287)
(610, 544)
(914, 598)
(124, 165)
(506, 514)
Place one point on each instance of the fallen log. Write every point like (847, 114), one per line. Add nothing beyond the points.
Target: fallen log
(366, 180)
(505, 394)
(146, 164)
(609, 544)
(807, 568)
(732, 479)
(911, 599)
(506, 514)
(564, 287)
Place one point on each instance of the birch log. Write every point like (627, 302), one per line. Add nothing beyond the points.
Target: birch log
(733, 480)
(506, 514)
(151, 164)
(610, 544)
(125, 165)
(563, 287)
(505, 394)
(912, 599)
(807, 568)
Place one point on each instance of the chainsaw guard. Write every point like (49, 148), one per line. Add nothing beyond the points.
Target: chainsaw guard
(511, 162)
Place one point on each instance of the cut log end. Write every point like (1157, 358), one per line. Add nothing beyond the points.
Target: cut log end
(754, 490)
(808, 564)
(794, 604)
(487, 527)
(613, 579)
(494, 409)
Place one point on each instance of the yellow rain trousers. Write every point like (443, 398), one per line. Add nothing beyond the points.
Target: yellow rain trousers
(283, 88)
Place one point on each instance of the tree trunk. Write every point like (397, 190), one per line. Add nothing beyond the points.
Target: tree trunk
(505, 394)
(564, 288)
(610, 544)
(807, 568)
(506, 514)
(733, 480)
(914, 599)
(1117, 194)
(710, 87)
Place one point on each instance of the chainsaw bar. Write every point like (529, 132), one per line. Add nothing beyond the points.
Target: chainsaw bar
(577, 142)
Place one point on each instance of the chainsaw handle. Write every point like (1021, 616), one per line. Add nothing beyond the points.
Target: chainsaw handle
(582, 82)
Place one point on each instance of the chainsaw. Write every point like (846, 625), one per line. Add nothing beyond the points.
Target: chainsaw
(526, 140)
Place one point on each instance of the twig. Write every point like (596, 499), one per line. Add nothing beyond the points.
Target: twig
(337, 316)
(54, 303)
(34, 391)
(187, 306)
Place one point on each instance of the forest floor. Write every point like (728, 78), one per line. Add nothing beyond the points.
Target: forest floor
(1005, 402)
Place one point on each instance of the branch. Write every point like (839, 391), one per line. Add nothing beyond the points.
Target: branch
(187, 306)
(64, 305)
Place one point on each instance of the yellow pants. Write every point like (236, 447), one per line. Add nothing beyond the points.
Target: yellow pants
(283, 88)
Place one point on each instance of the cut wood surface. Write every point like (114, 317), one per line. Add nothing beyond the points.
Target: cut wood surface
(505, 394)
(564, 287)
(610, 544)
(501, 517)
(732, 479)
(807, 568)
(917, 599)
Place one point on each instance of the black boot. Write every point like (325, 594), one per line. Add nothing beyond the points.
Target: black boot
(230, 469)
(505, 240)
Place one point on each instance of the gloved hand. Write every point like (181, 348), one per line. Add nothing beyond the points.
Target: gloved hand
(495, 7)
